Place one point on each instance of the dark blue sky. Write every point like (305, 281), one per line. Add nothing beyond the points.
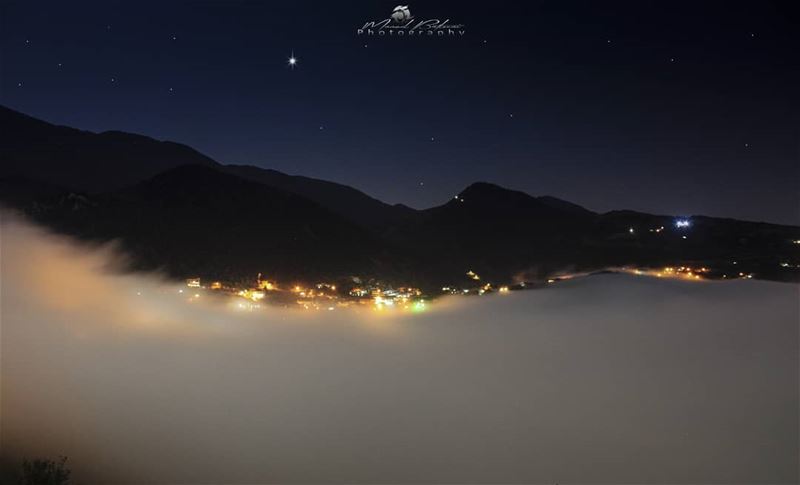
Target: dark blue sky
(668, 107)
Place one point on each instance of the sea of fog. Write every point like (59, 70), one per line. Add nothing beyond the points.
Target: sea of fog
(602, 379)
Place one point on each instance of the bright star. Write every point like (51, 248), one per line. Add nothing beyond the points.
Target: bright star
(292, 60)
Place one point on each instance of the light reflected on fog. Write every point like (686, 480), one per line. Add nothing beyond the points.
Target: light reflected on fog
(613, 378)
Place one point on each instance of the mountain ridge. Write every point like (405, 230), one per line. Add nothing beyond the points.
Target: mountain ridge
(234, 220)
(10, 118)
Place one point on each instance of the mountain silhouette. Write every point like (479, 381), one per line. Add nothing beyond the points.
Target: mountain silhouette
(196, 219)
(176, 210)
(78, 160)
(341, 199)
(82, 160)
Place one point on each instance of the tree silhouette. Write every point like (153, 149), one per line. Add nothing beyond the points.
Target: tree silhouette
(45, 472)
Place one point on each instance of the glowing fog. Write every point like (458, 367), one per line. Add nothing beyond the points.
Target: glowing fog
(610, 378)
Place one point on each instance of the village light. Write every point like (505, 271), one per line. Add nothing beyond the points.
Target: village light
(683, 223)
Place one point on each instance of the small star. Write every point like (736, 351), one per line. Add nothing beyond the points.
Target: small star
(608, 41)
(421, 184)
(108, 27)
(19, 85)
(485, 41)
(671, 59)
(365, 46)
(752, 34)
(511, 115)
(321, 127)
(27, 42)
(113, 80)
(59, 64)
(747, 145)
(431, 138)
(174, 38)
(292, 60)
(171, 90)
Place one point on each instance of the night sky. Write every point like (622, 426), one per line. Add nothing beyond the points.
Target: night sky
(665, 107)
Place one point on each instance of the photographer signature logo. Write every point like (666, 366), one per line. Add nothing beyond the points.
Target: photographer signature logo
(402, 24)
(401, 13)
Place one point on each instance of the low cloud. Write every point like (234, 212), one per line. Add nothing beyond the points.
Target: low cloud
(610, 378)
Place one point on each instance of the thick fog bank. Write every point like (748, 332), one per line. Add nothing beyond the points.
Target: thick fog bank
(601, 379)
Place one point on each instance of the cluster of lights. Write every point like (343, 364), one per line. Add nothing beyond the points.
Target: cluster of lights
(246, 306)
(323, 295)
(308, 305)
(253, 295)
(684, 272)
(263, 284)
(380, 303)
(483, 289)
